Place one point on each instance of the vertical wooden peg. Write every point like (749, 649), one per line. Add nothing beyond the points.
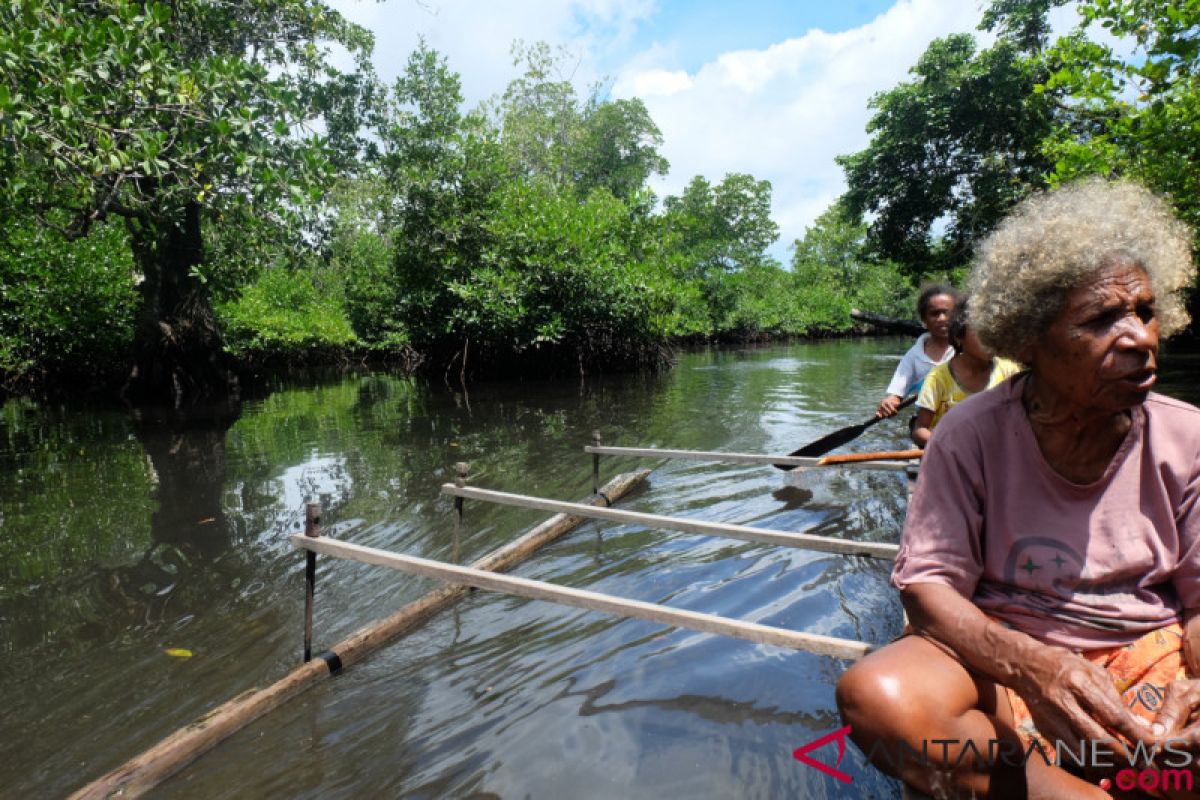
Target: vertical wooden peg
(460, 480)
(312, 529)
(596, 463)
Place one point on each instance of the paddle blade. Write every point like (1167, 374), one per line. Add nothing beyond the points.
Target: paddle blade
(833, 441)
(826, 443)
(838, 438)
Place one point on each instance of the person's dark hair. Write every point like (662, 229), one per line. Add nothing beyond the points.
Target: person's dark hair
(958, 324)
(931, 291)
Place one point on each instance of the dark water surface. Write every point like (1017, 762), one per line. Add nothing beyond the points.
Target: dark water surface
(123, 537)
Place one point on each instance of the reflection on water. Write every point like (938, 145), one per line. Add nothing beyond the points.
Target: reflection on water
(124, 537)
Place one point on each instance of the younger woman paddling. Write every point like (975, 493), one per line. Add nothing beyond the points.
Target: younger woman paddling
(972, 369)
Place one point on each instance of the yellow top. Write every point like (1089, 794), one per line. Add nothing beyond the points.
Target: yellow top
(941, 392)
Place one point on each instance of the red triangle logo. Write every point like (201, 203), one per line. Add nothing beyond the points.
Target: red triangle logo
(801, 754)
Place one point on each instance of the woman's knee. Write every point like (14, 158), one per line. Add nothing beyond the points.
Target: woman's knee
(907, 687)
(870, 693)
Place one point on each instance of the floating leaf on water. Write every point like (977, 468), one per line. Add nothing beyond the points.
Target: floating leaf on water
(178, 652)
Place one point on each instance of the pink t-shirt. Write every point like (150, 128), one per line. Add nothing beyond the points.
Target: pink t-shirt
(1083, 567)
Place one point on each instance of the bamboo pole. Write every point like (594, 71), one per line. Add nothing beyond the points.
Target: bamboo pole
(145, 771)
(592, 601)
(733, 458)
(802, 541)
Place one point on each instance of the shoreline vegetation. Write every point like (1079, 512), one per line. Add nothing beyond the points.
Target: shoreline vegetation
(193, 193)
(68, 313)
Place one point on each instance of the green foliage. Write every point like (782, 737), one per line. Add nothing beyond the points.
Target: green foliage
(440, 177)
(617, 149)
(65, 306)
(138, 108)
(835, 273)
(764, 300)
(361, 259)
(1024, 23)
(523, 231)
(283, 314)
(718, 231)
(550, 135)
(1134, 114)
(958, 145)
(509, 236)
(166, 114)
(722, 228)
(560, 272)
(539, 115)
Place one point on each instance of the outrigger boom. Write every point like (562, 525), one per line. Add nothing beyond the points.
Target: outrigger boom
(803, 541)
(739, 458)
(593, 601)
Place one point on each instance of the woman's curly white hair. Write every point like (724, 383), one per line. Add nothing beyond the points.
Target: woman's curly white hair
(1055, 241)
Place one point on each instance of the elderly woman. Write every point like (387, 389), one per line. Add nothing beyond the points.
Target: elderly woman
(1050, 562)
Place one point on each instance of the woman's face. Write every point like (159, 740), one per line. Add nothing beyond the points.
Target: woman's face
(937, 315)
(1100, 352)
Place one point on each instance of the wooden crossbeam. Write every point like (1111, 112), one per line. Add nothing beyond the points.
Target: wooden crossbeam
(593, 601)
(739, 458)
(802, 541)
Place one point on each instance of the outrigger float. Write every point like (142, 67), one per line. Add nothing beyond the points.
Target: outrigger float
(147, 770)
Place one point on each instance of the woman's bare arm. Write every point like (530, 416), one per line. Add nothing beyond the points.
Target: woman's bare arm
(1070, 698)
(922, 430)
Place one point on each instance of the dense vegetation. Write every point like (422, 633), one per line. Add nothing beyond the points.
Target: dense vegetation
(191, 188)
(976, 130)
(176, 213)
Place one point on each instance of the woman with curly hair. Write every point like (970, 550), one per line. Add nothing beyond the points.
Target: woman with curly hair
(1050, 562)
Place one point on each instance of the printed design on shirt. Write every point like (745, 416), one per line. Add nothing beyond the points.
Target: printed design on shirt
(1045, 563)
(1052, 572)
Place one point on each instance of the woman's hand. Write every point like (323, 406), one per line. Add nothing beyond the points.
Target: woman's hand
(888, 406)
(1072, 700)
(1176, 720)
(1069, 697)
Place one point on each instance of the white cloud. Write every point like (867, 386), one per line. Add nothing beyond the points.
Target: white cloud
(476, 37)
(781, 113)
(784, 112)
(660, 83)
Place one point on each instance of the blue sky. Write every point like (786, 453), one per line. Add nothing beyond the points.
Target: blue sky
(702, 29)
(771, 88)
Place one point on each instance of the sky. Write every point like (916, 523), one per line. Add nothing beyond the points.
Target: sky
(774, 88)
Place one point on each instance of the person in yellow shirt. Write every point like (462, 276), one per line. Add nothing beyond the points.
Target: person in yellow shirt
(972, 369)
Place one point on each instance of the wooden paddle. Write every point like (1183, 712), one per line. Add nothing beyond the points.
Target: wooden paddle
(838, 438)
(877, 455)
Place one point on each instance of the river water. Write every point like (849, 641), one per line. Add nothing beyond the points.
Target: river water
(146, 577)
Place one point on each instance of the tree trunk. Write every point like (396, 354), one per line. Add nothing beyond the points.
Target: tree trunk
(178, 351)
